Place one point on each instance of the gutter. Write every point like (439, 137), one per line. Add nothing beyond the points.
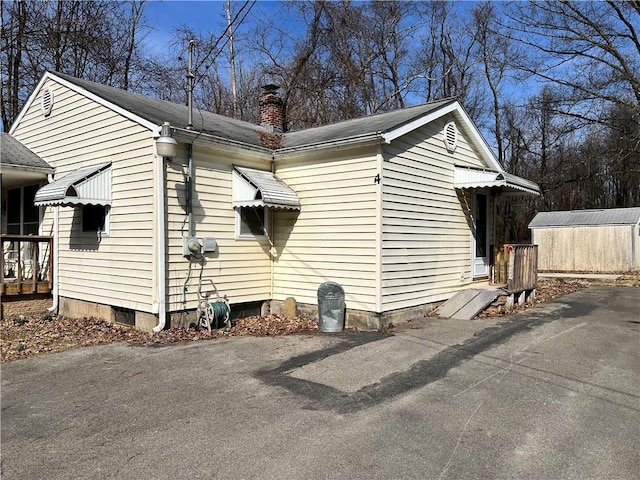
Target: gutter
(27, 168)
(349, 142)
(197, 137)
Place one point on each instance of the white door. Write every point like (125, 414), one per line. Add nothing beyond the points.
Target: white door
(480, 237)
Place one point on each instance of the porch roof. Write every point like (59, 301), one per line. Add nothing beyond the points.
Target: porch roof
(474, 178)
(90, 185)
(15, 154)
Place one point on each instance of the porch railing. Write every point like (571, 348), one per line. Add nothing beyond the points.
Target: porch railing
(26, 264)
(516, 266)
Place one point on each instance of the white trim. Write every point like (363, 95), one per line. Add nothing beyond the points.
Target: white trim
(419, 122)
(90, 233)
(155, 129)
(462, 118)
(248, 236)
(28, 103)
(482, 262)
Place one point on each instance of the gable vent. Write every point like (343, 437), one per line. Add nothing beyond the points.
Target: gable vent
(451, 136)
(46, 102)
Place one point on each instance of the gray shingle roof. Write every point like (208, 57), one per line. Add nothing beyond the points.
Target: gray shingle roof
(380, 123)
(15, 154)
(160, 111)
(580, 218)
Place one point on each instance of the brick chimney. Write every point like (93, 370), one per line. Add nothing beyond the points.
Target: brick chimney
(271, 109)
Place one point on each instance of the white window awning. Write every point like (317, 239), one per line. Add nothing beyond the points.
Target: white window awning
(90, 185)
(259, 188)
(474, 178)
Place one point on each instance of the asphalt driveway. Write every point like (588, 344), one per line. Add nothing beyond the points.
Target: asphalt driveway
(553, 392)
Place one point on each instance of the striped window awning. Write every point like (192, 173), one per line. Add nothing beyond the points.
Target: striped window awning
(474, 178)
(90, 185)
(260, 188)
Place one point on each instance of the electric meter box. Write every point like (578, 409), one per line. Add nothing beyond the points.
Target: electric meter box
(209, 244)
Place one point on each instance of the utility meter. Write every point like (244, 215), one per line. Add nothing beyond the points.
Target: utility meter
(192, 247)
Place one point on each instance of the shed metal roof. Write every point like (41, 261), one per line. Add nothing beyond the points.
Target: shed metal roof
(583, 218)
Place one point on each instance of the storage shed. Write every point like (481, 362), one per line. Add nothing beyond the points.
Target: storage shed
(606, 240)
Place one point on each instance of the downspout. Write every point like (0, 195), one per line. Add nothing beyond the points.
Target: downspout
(55, 253)
(161, 233)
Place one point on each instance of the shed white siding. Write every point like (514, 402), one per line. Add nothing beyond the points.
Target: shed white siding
(426, 238)
(333, 237)
(116, 269)
(608, 248)
(239, 269)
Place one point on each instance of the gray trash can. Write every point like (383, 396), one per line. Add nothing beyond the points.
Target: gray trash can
(331, 307)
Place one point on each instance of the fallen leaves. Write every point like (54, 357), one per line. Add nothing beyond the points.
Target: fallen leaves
(547, 290)
(28, 336)
(272, 325)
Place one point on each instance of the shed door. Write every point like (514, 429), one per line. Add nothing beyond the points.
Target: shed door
(480, 241)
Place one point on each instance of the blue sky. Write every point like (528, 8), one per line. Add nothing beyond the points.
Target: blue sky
(204, 16)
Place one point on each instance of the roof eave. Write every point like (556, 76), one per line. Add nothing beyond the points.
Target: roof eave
(184, 135)
(27, 168)
(349, 142)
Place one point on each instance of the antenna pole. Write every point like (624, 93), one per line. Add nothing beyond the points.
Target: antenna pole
(190, 77)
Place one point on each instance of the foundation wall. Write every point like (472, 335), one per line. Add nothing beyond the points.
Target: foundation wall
(359, 319)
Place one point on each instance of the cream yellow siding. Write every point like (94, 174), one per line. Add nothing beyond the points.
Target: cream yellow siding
(333, 237)
(240, 269)
(426, 238)
(116, 269)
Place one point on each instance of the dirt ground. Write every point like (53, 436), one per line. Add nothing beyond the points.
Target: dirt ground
(27, 329)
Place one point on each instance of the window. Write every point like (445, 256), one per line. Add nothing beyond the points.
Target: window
(23, 217)
(251, 222)
(95, 219)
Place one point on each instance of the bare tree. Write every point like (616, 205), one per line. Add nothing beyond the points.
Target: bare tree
(14, 37)
(447, 58)
(498, 55)
(590, 49)
(84, 39)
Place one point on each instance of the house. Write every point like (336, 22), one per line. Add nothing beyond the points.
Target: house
(398, 207)
(605, 240)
